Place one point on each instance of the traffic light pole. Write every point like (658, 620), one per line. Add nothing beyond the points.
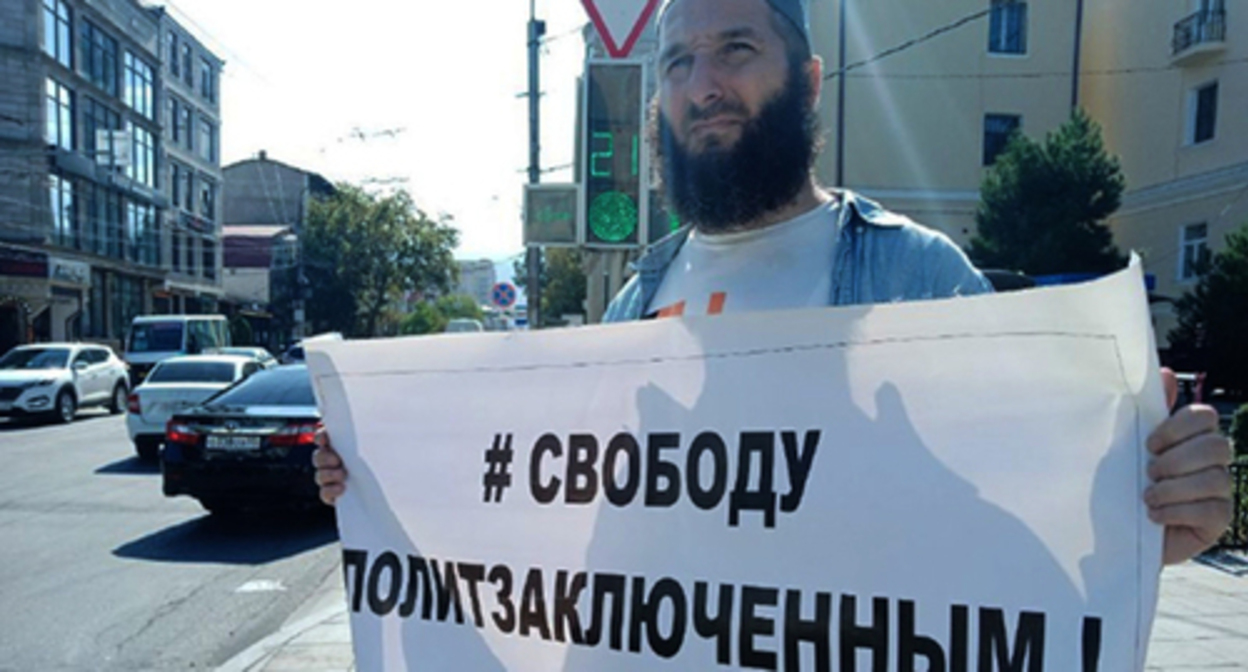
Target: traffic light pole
(533, 288)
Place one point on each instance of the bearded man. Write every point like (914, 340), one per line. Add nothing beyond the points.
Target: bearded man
(734, 126)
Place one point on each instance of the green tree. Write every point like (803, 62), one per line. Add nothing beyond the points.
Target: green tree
(563, 283)
(1043, 204)
(425, 318)
(362, 252)
(240, 330)
(459, 305)
(1213, 320)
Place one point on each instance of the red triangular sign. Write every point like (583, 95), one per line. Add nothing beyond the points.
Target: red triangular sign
(619, 22)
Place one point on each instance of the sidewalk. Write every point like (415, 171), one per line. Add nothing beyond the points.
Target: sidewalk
(1202, 624)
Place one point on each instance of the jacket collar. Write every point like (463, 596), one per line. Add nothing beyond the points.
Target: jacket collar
(860, 209)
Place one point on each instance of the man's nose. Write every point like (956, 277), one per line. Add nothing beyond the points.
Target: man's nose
(705, 83)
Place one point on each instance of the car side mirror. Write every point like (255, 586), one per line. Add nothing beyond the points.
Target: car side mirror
(81, 366)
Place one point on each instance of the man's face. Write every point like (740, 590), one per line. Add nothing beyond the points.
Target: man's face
(720, 61)
(735, 130)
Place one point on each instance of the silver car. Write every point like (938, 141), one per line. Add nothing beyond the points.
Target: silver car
(54, 380)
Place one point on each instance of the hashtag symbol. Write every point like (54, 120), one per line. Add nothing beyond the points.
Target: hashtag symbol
(497, 468)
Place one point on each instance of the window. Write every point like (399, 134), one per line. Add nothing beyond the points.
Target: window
(187, 75)
(175, 255)
(142, 241)
(192, 372)
(126, 301)
(133, 216)
(98, 55)
(207, 140)
(1007, 28)
(175, 183)
(997, 131)
(56, 42)
(188, 132)
(171, 47)
(109, 222)
(207, 82)
(1194, 241)
(210, 259)
(142, 168)
(188, 190)
(207, 198)
(97, 117)
(64, 222)
(138, 90)
(190, 256)
(280, 386)
(1202, 114)
(60, 112)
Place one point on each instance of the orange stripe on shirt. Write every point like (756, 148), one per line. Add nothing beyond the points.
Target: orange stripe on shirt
(674, 310)
(716, 305)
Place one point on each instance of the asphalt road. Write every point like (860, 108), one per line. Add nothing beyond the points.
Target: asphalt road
(100, 571)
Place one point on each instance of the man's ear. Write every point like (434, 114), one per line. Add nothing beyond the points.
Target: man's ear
(814, 72)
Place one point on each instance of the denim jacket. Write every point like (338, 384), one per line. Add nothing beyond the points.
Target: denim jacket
(881, 257)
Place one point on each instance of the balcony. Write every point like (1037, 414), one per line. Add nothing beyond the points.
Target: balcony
(1199, 35)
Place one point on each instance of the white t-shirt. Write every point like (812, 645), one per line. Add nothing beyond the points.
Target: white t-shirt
(787, 265)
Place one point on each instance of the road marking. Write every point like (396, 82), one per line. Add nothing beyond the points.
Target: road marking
(261, 586)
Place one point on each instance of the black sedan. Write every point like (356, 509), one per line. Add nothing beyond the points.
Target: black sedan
(248, 447)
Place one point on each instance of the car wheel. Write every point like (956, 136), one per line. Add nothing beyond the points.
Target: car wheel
(118, 403)
(66, 407)
(148, 449)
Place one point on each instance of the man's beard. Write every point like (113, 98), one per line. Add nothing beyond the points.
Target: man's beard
(725, 188)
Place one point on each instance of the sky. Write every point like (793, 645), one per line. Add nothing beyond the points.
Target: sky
(301, 77)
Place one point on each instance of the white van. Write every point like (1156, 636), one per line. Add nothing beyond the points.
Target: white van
(154, 338)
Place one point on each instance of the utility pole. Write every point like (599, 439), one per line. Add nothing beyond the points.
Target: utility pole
(533, 289)
(1074, 71)
(840, 97)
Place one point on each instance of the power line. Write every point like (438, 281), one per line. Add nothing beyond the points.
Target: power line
(233, 55)
(909, 44)
(1107, 72)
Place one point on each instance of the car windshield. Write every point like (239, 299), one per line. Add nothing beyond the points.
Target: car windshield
(283, 386)
(35, 358)
(156, 337)
(192, 372)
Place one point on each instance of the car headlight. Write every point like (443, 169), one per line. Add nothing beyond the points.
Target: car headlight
(38, 383)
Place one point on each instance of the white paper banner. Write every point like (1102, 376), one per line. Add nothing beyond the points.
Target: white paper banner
(946, 485)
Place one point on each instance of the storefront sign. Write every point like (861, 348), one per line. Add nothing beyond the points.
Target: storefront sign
(23, 263)
(66, 272)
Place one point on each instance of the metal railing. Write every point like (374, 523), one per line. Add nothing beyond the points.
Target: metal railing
(1236, 538)
(1199, 28)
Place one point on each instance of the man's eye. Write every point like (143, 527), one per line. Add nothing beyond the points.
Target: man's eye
(677, 63)
(738, 47)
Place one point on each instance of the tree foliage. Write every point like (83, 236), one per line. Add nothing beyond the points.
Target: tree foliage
(1043, 204)
(563, 283)
(432, 317)
(363, 252)
(1213, 319)
(240, 331)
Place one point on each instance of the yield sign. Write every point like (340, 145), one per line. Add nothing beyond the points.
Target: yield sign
(619, 22)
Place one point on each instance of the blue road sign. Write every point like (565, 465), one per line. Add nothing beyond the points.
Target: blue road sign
(503, 295)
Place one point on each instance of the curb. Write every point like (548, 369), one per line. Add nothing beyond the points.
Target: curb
(329, 604)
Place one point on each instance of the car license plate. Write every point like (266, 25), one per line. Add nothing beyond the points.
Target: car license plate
(219, 442)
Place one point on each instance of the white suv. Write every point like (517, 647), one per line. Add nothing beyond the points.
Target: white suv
(56, 379)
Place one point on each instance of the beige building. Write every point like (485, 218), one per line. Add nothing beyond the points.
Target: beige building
(917, 129)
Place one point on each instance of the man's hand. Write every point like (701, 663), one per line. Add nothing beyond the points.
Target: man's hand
(1191, 491)
(330, 475)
